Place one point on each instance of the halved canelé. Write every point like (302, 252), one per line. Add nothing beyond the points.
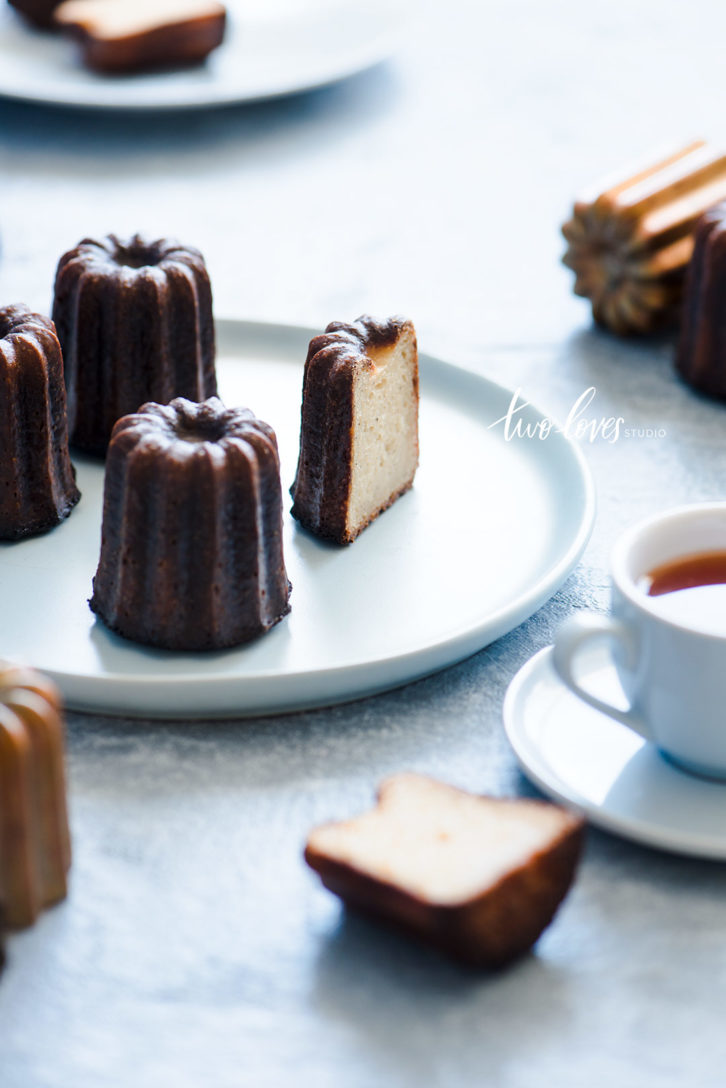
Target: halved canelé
(359, 430)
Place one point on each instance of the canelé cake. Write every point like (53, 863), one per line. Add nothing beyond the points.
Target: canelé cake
(479, 877)
(34, 838)
(39, 12)
(37, 481)
(359, 429)
(701, 354)
(127, 35)
(631, 236)
(134, 320)
(191, 549)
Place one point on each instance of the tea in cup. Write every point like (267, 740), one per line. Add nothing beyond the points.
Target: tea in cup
(667, 633)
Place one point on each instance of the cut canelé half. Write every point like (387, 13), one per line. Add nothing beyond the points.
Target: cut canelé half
(359, 430)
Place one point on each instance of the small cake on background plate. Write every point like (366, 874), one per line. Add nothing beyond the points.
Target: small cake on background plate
(478, 877)
(359, 428)
(38, 12)
(132, 35)
(191, 548)
(37, 481)
(35, 850)
(135, 323)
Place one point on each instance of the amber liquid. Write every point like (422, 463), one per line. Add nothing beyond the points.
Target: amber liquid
(691, 590)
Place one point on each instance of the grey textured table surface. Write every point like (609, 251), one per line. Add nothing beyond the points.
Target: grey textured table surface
(195, 948)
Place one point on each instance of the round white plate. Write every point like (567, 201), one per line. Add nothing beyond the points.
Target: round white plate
(489, 531)
(272, 48)
(581, 757)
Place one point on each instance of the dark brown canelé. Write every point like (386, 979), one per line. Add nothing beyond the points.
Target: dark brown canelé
(39, 12)
(37, 481)
(134, 320)
(701, 356)
(191, 548)
(359, 427)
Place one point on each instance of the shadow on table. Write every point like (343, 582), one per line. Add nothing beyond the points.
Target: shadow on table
(428, 1017)
(74, 137)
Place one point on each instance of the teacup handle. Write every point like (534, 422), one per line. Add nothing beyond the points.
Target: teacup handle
(577, 632)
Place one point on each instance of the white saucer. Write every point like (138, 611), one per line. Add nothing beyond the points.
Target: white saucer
(621, 783)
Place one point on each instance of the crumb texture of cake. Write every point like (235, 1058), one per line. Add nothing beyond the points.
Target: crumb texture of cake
(38, 12)
(191, 545)
(631, 237)
(359, 427)
(37, 480)
(128, 35)
(35, 852)
(701, 353)
(479, 877)
(135, 323)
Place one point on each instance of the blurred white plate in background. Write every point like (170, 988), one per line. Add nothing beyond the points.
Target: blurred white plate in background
(272, 48)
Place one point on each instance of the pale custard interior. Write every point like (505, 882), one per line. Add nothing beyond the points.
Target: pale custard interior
(385, 429)
(439, 843)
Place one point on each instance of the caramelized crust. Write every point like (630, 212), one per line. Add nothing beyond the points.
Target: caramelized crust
(191, 548)
(336, 361)
(37, 481)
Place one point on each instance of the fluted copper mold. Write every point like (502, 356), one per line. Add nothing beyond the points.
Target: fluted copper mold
(631, 237)
(35, 850)
(37, 481)
(191, 549)
(135, 323)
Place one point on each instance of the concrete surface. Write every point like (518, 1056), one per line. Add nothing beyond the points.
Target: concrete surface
(195, 948)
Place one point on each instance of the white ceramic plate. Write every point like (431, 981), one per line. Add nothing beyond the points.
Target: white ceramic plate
(487, 534)
(272, 48)
(581, 757)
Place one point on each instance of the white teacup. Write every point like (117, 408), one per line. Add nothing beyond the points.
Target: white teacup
(673, 673)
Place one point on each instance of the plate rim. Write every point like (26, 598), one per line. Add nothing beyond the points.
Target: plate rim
(379, 50)
(539, 772)
(350, 682)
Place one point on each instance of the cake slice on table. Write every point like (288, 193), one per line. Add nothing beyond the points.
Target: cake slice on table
(479, 877)
(359, 429)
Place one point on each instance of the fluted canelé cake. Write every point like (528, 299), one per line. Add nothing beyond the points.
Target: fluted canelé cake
(37, 481)
(191, 548)
(135, 323)
(359, 427)
(34, 838)
(630, 237)
(479, 877)
(701, 355)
